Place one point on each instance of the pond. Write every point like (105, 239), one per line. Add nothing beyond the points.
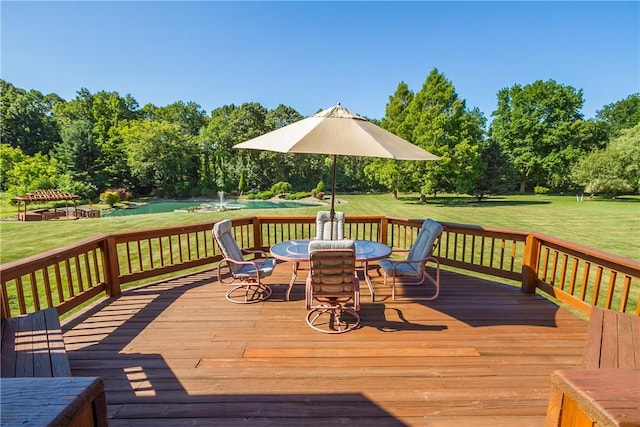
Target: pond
(200, 206)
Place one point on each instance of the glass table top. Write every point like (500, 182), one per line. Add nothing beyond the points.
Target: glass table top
(299, 250)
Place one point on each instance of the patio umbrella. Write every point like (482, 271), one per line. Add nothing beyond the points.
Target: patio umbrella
(337, 131)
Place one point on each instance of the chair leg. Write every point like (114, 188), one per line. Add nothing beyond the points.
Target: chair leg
(333, 319)
(248, 293)
(425, 277)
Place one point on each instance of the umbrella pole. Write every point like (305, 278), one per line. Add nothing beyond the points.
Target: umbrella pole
(332, 212)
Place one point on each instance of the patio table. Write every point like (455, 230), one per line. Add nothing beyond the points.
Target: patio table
(297, 251)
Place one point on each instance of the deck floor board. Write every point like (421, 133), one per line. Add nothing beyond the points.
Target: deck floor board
(176, 353)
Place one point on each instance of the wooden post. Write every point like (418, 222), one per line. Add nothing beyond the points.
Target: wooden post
(112, 267)
(384, 225)
(530, 264)
(257, 233)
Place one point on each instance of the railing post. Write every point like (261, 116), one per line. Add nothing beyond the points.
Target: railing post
(112, 270)
(530, 264)
(384, 225)
(257, 233)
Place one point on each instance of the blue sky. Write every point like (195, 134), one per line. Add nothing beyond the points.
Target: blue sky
(310, 55)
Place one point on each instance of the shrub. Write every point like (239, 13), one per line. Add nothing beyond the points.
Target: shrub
(264, 195)
(320, 195)
(313, 192)
(540, 190)
(281, 188)
(612, 187)
(320, 188)
(110, 197)
(296, 196)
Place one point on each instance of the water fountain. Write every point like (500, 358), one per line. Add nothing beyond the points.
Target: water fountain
(220, 206)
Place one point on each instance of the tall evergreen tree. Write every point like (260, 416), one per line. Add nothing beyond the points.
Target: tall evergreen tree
(438, 121)
(392, 174)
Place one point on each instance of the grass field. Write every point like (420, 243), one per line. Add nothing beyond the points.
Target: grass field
(605, 224)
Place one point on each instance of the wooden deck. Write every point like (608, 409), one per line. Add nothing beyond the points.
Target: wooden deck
(177, 353)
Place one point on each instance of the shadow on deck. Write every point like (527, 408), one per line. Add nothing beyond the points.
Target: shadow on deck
(177, 353)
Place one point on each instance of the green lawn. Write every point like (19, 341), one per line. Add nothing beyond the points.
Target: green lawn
(608, 225)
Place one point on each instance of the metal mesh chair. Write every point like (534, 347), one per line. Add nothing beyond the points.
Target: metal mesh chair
(332, 283)
(414, 266)
(246, 275)
(323, 226)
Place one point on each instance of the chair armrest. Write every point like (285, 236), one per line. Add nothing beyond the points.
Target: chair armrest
(255, 252)
(231, 261)
(421, 261)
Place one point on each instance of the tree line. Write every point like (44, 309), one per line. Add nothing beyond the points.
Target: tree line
(538, 139)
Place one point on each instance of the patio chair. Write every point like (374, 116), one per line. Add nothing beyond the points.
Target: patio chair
(332, 283)
(414, 267)
(246, 275)
(323, 226)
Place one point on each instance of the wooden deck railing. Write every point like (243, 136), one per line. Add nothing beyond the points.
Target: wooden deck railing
(67, 277)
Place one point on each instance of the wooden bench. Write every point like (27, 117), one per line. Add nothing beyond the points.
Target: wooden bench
(37, 387)
(606, 390)
(32, 346)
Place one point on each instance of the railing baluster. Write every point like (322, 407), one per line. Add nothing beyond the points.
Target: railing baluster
(87, 270)
(545, 264)
(67, 267)
(20, 291)
(79, 274)
(34, 290)
(493, 248)
(96, 269)
(554, 267)
(58, 275)
(140, 267)
(574, 275)
(597, 282)
(611, 288)
(47, 286)
(585, 276)
(563, 272)
(129, 258)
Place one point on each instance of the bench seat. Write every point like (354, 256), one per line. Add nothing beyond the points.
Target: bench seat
(32, 346)
(613, 340)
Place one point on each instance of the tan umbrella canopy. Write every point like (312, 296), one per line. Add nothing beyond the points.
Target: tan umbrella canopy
(337, 131)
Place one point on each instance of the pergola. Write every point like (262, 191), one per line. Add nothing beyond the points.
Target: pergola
(45, 196)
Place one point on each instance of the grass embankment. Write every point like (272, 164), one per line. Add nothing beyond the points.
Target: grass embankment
(609, 225)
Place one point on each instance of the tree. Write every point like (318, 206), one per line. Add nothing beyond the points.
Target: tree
(161, 157)
(78, 151)
(9, 157)
(76, 157)
(106, 111)
(190, 116)
(438, 121)
(613, 170)
(392, 174)
(535, 125)
(37, 172)
(620, 115)
(495, 178)
(25, 119)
